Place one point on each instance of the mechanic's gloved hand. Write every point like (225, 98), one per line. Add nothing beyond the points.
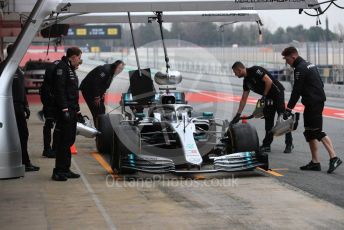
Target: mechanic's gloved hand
(236, 118)
(80, 118)
(287, 113)
(27, 112)
(66, 115)
(262, 100)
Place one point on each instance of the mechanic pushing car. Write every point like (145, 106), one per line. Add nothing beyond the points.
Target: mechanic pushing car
(65, 88)
(308, 85)
(49, 110)
(95, 84)
(260, 81)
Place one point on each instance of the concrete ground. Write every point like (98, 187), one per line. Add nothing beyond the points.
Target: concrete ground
(98, 200)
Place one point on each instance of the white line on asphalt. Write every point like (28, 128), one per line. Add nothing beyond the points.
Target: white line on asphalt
(217, 97)
(95, 197)
(209, 95)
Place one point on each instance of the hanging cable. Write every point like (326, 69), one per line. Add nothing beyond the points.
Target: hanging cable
(320, 3)
(47, 53)
(340, 7)
(57, 14)
(320, 12)
(318, 22)
(259, 29)
(160, 21)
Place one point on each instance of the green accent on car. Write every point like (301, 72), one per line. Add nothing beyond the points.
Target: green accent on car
(208, 114)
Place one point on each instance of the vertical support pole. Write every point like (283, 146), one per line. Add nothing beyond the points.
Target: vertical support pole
(10, 151)
(134, 44)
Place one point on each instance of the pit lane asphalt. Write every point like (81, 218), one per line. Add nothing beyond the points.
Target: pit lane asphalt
(329, 187)
(253, 200)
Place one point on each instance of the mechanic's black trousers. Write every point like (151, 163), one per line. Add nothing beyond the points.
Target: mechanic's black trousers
(65, 132)
(50, 120)
(273, 106)
(95, 110)
(23, 132)
(48, 126)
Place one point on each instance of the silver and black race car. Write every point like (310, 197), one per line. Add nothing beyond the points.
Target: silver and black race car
(162, 133)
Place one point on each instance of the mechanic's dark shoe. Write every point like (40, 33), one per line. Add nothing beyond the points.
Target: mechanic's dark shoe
(49, 153)
(311, 166)
(31, 168)
(289, 148)
(59, 176)
(265, 149)
(72, 175)
(334, 163)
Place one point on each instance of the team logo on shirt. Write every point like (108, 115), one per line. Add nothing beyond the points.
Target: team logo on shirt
(259, 72)
(310, 66)
(102, 74)
(297, 75)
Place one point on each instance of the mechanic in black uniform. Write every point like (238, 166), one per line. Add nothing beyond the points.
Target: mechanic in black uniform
(66, 93)
(260, 81)
(49, 110)
(22, 112)
(95, 84)
(308, 85)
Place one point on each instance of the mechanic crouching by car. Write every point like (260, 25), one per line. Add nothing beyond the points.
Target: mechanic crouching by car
(66, 93)
(22, 112)
(95, 84)
(309, 86)
(260, 81)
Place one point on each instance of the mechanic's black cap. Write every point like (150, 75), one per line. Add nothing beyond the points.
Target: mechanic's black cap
(289, 50)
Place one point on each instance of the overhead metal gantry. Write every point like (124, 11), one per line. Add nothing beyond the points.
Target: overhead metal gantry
(144, 17)
(87, 6)
(10, 152)
(103, 6)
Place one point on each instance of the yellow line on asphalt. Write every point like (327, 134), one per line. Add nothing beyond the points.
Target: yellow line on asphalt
(198, 177)
(104, 164)
(270, 172)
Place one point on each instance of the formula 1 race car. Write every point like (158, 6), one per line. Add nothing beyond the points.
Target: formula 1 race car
(171, 136)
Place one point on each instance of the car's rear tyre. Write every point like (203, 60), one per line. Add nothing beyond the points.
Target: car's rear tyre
(104, 140)
(243, 138)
